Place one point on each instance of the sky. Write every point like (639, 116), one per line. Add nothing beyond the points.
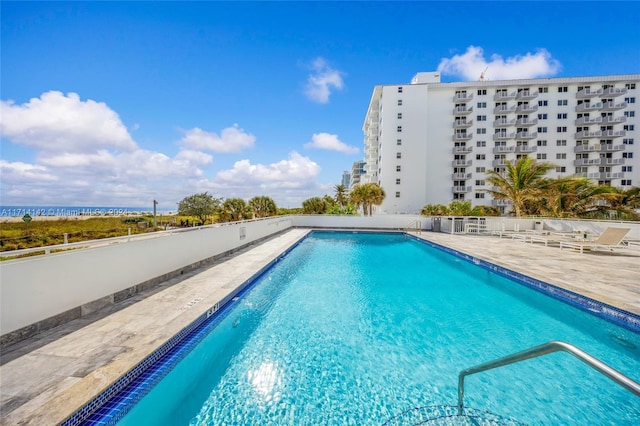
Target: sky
(122, 103)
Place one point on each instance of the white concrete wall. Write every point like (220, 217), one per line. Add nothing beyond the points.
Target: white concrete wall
(40, 287)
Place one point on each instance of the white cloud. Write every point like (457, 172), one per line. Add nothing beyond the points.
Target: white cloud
(295, 172)
(322, 81)
(472, 63)
(16, 172)
(330, 142)
(231, 139)
(55, 122)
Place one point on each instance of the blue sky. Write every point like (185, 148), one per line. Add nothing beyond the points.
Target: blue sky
(120, 103)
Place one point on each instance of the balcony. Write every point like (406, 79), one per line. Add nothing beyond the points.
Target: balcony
(461, 176)
(526, 135)
(501, 162)
(462, 149)
(504, 96)
(599, 162)
(462, 110)
(606, 175)
(462, 97)
(457, 124)
(500, 203)
(587, 148)
(503, 136)
(589, 93)
(504, 109)
(526, 122)
(614, 91)
(526, 95)
(613, 120)
(614, 133)
(582, 121)
(503, 149)
(585, 134)
(612, 106)
(607, 147)
(461, 189)
(503, 123)
(526, 108)
(461, 163)
(458, 137)
(588, 107)
(521, 149)
(601, 134)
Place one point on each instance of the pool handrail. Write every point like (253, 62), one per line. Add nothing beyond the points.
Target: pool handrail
(544, 349)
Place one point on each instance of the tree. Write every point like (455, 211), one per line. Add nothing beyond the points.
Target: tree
(460, 208)
(235, 209)
(342, 196)
(521, 182)
(199, 205)
(314, 205)
(366, 196)
(435, 210)
(625, 202)
(263, 206)
(570, 197)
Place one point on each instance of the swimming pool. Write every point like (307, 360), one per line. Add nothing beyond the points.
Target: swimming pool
(356, 328)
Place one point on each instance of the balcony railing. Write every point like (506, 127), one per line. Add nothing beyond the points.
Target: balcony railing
(588, 93)
(503, 136)
(587, 107)
(504, 109)
(461, 176)
(461, 189)
(462, 110)
(503, 149)
(462, 123)
(607, 147)
(598, 162)
(527, 122)
(588, 120)
(614, 120)
(504, 96)
(526, 108)
(606, 175)
(500, 203)
(462, 97)
(526, 94)
(526, 135)
(461, 163)
(526, 148)
(499, 162)
(462, 149)
(614, 91)
(462, 137)
(587, 148)
(613, 133)
(503, 123)
(612, 106)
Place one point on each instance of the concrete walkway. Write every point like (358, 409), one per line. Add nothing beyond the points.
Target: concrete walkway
(44, 381)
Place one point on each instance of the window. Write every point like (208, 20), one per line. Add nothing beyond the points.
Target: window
(542, 143)
(479, 194)
(397, 194)
(480, 182)
(398, 141)
(625, 182)
(481, 118)
(482, 92)
(543, 103)
(480, 156)
(399, 116)
(627, 141)
(543, 89)
(398, 181)
(541, 156)
(480, 169)
(542, 130)
(561, 156)
(481, 131)
(627, 155)
(561, 142)
(563, 89)
(562, 116)
(562, 129)
(561, 169)
(399, 102)
(627, 168)
(399, 128)
(630, 86)
(398, 169)
(629, 127)
(630, 100)
(398, 155)
(562, 102)
(481, 144)
(482, 104)
(542, 116)
(400, 89)
(629, 113)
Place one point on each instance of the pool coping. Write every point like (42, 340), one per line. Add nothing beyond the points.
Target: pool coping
(103, 410)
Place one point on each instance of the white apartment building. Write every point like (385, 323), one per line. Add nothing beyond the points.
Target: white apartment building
(429, 142)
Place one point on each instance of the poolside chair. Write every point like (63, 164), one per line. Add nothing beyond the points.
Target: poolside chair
(609, 239)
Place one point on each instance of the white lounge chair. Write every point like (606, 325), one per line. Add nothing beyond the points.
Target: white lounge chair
(609, 239)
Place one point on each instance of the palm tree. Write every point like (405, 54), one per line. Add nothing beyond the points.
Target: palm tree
(263, 206)
(366, 196)
(625, 202)
(521, 182)
(342, 197)
(314, 205)
(435, 210)
(235, 209)
(571, 197)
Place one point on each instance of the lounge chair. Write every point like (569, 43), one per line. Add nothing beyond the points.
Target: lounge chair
(609, 239)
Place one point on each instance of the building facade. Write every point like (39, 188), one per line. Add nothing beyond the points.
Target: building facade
(429, 142)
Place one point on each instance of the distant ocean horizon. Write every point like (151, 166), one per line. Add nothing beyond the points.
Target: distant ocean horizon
(20, 211)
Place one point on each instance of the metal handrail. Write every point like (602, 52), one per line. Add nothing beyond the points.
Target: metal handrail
(544, 349)
(418, 227)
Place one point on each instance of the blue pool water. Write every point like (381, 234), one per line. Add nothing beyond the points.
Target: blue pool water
(352, 329)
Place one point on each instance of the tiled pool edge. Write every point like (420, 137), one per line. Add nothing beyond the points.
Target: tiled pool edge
(214, 313)
(602, 310)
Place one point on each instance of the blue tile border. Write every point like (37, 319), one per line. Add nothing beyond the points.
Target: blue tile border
(602, 310)
(111, 405)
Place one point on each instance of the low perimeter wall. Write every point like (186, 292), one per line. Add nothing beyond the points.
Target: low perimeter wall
(41, 292)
